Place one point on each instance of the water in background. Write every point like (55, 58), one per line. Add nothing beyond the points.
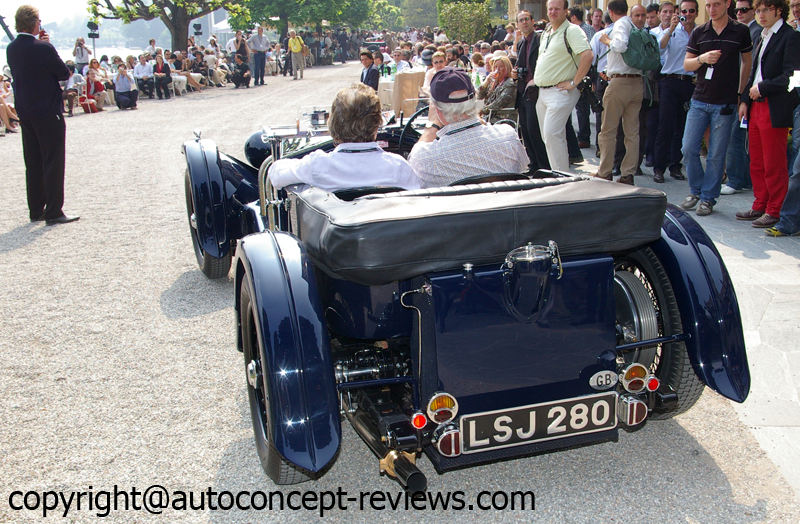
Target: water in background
(66, 53)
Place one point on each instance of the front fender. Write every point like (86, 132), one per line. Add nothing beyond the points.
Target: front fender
(208, 196)
(707, 302)
(294, 346)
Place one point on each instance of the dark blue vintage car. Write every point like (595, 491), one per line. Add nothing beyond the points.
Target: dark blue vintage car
(497, 318)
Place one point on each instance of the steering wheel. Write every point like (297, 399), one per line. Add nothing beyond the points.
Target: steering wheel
(407, 128)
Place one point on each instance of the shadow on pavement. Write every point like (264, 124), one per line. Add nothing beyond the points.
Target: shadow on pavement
(193, 295)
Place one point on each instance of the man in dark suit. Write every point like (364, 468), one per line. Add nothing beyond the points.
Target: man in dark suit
(527, 54)
(770, 108)
(37, 69)
(369, 75)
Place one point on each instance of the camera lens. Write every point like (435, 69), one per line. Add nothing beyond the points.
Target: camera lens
(682, 18)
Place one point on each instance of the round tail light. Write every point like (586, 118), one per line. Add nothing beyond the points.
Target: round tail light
(634, 378)
(447, 438)
(442, 408)
(418, 420)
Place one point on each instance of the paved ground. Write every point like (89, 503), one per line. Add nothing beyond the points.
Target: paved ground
(119, 365)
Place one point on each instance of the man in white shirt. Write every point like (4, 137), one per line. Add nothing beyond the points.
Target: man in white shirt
(151, 49)
(457, 145)
(143, 73)
(623, 98)
(357, 160)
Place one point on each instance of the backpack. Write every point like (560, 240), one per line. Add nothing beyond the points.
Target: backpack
(642, 52)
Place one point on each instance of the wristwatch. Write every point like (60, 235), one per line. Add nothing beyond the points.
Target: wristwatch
(435, 126)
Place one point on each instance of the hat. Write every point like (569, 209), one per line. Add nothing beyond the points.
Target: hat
(497, 54)
(427, 57)
(448, 81)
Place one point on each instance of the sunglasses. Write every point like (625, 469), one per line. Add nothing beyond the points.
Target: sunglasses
(742, 10)
(687, 11)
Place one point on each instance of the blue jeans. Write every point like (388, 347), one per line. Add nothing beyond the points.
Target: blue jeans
(795, 139)
(705, 184)
(790, 212)
(738, 158)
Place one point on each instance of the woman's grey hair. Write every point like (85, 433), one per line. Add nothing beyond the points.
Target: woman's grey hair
(459, 111)
(355, 114)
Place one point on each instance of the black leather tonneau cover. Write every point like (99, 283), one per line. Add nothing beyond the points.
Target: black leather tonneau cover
(382, 238)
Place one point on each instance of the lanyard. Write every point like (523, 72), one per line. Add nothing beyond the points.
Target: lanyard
(454, 131)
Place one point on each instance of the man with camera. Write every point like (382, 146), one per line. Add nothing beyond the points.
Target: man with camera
(81, 54)
(677, 86)
(241, 73)
(623, 98)
(527, 54)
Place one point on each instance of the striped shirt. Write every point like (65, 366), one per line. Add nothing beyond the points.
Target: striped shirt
(465, 149)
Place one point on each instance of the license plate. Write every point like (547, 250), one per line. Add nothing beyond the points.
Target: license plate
(538, 422)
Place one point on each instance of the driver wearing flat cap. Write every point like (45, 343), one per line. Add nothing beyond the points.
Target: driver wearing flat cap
(457, 144)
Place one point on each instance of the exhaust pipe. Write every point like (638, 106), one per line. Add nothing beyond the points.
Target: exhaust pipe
(397, 464)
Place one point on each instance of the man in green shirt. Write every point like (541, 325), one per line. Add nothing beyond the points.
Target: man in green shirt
(564, 59)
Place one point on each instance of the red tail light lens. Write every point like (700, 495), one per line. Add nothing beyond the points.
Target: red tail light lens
(419, 421)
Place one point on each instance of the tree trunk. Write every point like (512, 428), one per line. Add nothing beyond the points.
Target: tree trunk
(178, 26)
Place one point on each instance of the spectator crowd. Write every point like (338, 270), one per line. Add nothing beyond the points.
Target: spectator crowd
(716, 91)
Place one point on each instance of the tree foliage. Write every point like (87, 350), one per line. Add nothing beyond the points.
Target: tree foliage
(365, 14)
(419, 13)
(465, 21)
(176, 14)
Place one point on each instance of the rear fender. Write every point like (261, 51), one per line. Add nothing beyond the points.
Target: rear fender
(221, 187)
(294, 345)
(707, 302)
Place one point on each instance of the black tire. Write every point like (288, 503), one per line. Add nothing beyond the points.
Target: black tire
(643, 291)
(211, 267)
(275, 466)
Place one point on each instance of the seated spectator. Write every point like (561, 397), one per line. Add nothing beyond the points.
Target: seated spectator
(357, 160)
(130, 62)
(241, 74)
(457, 145)
(178, 80)
(377, 58)
(271, 64)
(405, 61)
(95, 89)
(104, 77)
(104, 63)
(478, 68)
(72, 86)
(7, 112)
(439, 62)
(499, 91)
(184, 68)
(151, 48)
(452, 58)
(204, 67)
(162, 77)
(125, 89)
(143, 73)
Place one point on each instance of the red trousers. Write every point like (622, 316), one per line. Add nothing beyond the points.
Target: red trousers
(768, 168)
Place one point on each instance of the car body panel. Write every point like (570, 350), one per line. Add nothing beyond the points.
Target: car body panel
(295, 349)
(708, 304)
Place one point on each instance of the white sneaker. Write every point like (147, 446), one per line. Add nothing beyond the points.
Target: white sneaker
(728, 190)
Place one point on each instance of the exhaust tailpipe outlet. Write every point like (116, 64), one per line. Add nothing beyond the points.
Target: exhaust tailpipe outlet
(400, 465)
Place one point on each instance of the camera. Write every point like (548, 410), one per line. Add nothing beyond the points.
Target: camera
(522, 72)
(682, 18)
(585, 87)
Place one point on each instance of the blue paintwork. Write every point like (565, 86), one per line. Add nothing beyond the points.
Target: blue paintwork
(294, 346)
(488, 359)
(357, 311)
(708, 305)
(221, 185)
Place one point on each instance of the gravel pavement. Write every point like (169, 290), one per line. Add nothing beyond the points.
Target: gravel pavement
(119, 365)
